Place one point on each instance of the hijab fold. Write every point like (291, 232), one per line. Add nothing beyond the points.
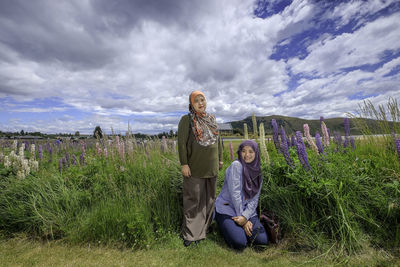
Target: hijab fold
(204, 125)
(252, 176)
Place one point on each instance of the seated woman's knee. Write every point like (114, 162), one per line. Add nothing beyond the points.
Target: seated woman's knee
(238, 243)
(261, 239)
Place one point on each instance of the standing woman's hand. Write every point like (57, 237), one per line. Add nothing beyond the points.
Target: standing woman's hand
(186, 171)
(221, 164)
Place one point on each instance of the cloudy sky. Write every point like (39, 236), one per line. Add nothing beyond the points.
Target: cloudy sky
(68, 66)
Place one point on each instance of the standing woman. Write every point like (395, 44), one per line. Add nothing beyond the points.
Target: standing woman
(237, 202)
(200, 154)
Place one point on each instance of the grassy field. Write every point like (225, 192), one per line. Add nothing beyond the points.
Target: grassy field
(109, 230)
(119, 201)
(21, 251)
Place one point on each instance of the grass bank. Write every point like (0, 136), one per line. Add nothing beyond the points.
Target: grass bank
(21, 251)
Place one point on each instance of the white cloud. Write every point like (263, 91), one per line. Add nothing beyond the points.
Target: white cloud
(365, 46)
(332, 95)
(38, 110)
(357, 11)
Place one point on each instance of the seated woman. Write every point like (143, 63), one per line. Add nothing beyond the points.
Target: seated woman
(237, 203)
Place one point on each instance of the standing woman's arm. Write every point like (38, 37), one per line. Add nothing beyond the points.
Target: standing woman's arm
(183, 135)
(220, 152)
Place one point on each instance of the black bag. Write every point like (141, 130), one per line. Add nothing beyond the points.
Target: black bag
(271, 225)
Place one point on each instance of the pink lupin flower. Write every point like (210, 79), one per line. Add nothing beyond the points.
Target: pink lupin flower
(33, 151)
(309, 138)
(98, 148)
(231, 150)
(105, 152)
(122, 150)
(129, 145)
(325, 134)
(83, 147)
(174, 146)
(164, 145)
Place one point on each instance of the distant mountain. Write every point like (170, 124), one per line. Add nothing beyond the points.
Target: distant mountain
(293, 124)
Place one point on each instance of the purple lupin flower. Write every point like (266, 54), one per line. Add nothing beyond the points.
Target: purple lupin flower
(289, 143)
(285, 148)
(299, 146)
(67, 158)
(50, 153)
(301, 151)
(73, 159)
(82, 159)
(275, 134)
(60, 165)
(319, 143)
(293, 141)
(398, 147)
(337, 138)
(64, 162)
(346, 127)
(346, 142)
(352, 143)
(231, 150)
(40, 151)
(346, 132)
(321, 119)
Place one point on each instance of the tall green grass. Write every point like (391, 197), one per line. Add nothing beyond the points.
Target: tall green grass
(132, 202)
(347, 200)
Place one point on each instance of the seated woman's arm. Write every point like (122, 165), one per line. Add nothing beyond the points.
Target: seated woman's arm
(234, 186)
(252, 205)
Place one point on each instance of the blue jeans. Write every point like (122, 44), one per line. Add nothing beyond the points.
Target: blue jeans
(234, 234)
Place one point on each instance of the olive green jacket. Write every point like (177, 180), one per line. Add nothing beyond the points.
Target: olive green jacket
(203, 161)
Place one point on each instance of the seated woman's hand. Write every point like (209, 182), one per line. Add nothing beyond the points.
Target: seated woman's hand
(248, 228)
(240, 220)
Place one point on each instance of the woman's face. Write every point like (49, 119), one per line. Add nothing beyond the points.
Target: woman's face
(248, 154)
(200, 104)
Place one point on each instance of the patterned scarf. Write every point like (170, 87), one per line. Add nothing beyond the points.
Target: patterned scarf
(204, 125)
(251, 177)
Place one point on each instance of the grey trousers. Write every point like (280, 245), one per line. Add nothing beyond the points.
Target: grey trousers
(198, 206)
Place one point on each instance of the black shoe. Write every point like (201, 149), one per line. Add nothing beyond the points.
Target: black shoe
(187, 243)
